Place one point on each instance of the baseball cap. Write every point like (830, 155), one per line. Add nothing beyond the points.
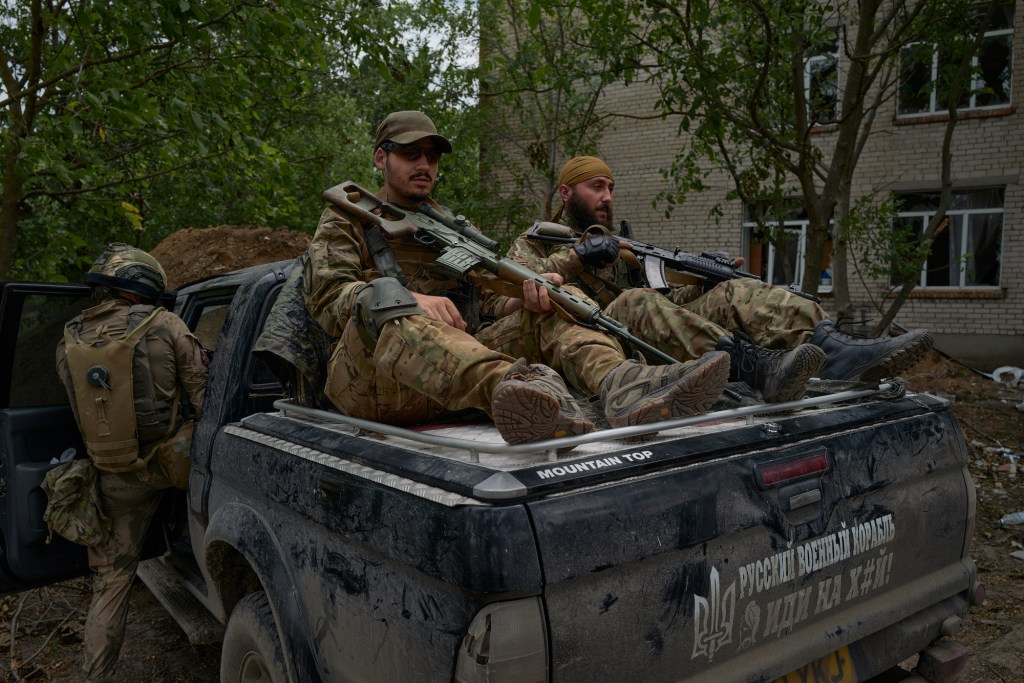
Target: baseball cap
(405, 127)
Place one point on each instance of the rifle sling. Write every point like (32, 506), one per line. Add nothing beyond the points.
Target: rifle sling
(599, 289)
(380, 251)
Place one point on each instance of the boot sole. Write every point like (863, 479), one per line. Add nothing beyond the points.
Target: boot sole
(692, 394)
(523, 414)
(901, 359)
(802, 363)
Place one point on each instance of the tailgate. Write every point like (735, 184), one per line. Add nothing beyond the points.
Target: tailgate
(704, 570)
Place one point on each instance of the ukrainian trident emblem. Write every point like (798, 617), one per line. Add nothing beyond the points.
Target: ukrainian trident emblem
(712, 618)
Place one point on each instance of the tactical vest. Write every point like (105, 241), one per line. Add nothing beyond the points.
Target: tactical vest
(465, 295)
(118, 411)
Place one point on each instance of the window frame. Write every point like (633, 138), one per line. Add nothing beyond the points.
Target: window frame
(975, 86)
(796, 225)
(829, 59)
(964, 247)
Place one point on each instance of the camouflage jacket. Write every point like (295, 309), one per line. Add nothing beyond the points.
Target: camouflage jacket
(340, 262)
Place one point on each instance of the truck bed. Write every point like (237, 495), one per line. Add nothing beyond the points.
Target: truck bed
(603, 452)
(755, 538)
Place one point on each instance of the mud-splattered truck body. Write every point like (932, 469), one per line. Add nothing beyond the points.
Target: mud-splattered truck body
(826, 541)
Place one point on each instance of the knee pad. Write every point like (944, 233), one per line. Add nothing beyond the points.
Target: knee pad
(378, 302)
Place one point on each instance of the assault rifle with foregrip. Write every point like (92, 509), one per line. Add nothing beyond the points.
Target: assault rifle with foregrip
(652, 260)
(462, 248)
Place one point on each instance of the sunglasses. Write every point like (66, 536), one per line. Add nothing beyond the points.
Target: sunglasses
(411, 152)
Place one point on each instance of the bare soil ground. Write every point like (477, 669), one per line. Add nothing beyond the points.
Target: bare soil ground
(40, 638)
(992, 424)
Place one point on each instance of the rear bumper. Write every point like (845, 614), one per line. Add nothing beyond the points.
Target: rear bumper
(916, 634)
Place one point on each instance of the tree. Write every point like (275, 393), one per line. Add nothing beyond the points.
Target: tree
(119, 120)
(754, 84)
(903, 252)
(434, 70)
(540, 85)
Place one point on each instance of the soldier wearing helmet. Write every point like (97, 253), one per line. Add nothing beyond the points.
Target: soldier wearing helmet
(127, 269)
(136, 377)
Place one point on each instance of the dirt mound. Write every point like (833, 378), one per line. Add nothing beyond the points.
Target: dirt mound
(938, 372)
(194, 253)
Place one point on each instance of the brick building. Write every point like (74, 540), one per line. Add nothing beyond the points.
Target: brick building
(972, 296)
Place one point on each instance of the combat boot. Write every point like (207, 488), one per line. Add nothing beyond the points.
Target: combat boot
(854, 357)
(532, 403)
(635, 393)
(780, 375)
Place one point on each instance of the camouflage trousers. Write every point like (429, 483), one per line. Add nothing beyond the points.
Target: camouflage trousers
(130, 500)
(690, 323)
(423, 369)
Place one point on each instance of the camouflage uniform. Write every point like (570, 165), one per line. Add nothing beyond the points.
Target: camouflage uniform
(130, 499)
(686, 321)
(421, 368)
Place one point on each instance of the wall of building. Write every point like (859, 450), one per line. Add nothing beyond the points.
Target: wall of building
(983, 327)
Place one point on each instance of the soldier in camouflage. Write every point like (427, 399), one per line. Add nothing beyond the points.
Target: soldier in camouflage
(407, 353)
(166, 367)
(776, 340)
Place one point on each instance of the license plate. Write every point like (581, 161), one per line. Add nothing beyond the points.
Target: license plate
(833, 668)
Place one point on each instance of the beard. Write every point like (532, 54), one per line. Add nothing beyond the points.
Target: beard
(582, 217)
(407, 192)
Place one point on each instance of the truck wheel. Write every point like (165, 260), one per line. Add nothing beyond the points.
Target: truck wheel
(251, 651)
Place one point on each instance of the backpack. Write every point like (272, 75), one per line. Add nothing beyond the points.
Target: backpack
(102, 375)
(73, 510)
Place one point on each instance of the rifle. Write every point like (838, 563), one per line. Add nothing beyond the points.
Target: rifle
(463, 248)
(652, 260)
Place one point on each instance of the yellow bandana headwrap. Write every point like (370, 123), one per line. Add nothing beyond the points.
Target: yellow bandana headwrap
(578, 169)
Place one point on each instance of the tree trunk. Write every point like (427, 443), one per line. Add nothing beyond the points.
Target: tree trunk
(10, 208)
(841, 304)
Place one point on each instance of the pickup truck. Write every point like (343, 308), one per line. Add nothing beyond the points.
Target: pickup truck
(825, 539)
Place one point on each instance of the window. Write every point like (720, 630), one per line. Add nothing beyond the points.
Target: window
(34, 380)
(211, 320)
(821, 83)
(966, 253)
(921, 64)
(783, 259)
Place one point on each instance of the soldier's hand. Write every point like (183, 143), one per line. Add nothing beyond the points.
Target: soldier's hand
(535, 297)
(597, 250)
(724, 257)
(512, 305)
(440, 308)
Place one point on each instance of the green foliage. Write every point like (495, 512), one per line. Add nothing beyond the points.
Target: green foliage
(128, 121)
(753, 83)
(886, 247)
(540, 84)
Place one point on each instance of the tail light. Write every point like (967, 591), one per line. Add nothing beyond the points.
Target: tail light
(505, 643)
(794, 468)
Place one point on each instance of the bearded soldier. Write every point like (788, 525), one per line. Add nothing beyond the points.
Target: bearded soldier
(776, 339)
(133, 373)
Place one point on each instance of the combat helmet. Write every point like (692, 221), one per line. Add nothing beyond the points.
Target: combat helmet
(129, 269)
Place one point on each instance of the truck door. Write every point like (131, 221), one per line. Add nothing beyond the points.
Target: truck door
(36, 427)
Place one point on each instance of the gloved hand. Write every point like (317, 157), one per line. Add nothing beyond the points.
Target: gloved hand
(599, 251)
